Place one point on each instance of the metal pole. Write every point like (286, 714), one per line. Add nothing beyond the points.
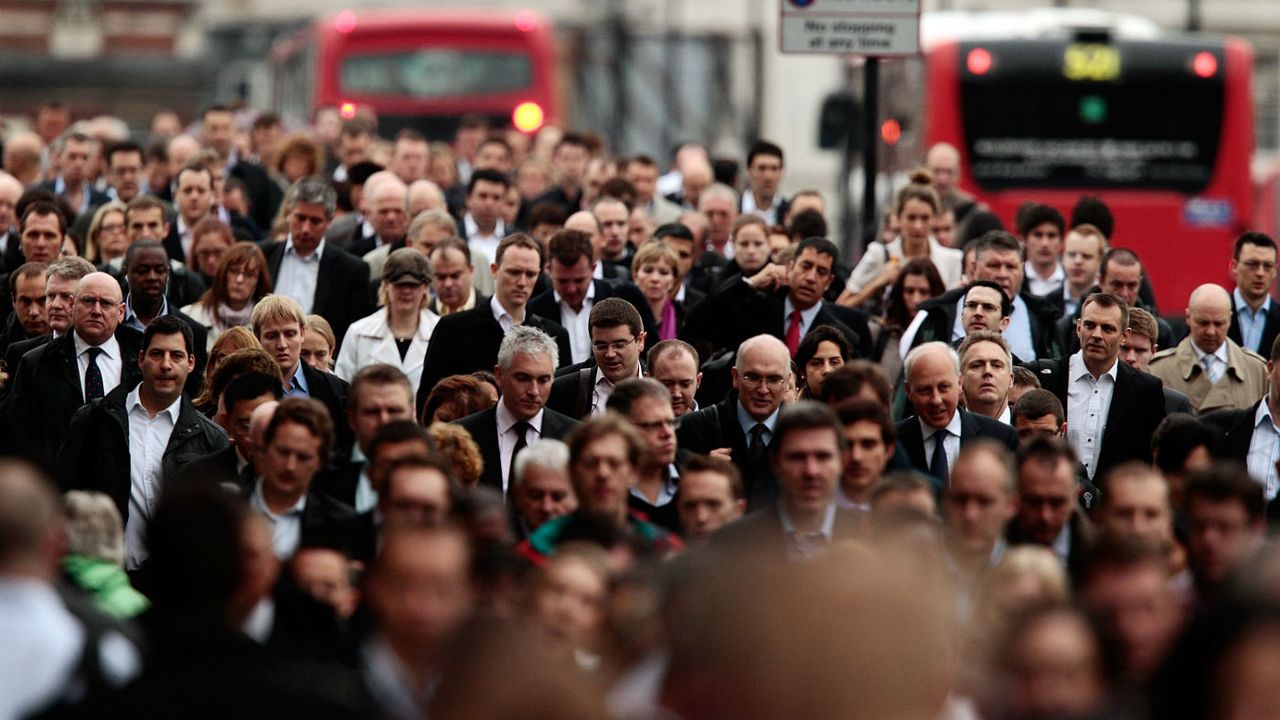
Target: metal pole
(870, 147)
(1195, 19)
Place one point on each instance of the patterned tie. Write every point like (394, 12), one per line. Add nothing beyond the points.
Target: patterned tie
(938, 463)
(793, 333)
(521, 428)
(93, 389)
(1211, 367)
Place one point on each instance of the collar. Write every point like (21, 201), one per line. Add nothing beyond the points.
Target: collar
(749, 202)
(506, 420)
(130, 315)
(133, 401)
(259, 502)
(1006, 417)
(473, 229)
(1220, 353)
(1263, 413)
(1059, 274)
(1242, 306)
(828, 521)
(601, 380)
(806, 316)
(299, 380)
(952, 427)
(499, 311)
(747, 422)
(587, 301)
(1076, 369)
(110, 348)
(313, 257)
(1062, 543)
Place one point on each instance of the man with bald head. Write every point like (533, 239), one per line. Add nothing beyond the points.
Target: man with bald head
(386, 209)
(741, 426)
(22, 157)
(10, 242)
(52, 381)
(424, 195)
(1210, 368)
(934, 435)
(943, 162)
(586, 221)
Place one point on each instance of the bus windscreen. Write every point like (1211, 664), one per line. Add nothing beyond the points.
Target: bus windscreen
(427, 74)
(1091, 115)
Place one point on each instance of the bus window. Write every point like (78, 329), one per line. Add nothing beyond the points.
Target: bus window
(435, 73)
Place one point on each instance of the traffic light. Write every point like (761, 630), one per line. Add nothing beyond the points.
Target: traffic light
(840, 120)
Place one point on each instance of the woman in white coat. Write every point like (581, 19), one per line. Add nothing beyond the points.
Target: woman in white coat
(398, 333)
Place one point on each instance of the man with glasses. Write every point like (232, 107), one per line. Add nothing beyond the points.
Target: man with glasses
(617, 337)
(52, 381)
(647, 404)
(1255, 319)
(741, 426)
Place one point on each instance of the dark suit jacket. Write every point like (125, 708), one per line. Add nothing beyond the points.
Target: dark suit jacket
(544, 305)
(1176, 401)
(12, 257)
(218, 469)
(342, 286)
(200, 346)
(332, 392)
(13, 333)
(241, 227)
(468, 341)
(972, 427)
(1269, 331)
(340, 482)
(263, 193)
(761, 533)
(1082, 533)
(717, 427)
(45, 392)
(1043, 317)
(329, 523)
(1137, 407)
(1237, 426)
(483, 427)
(567, 397)
(96, 197)
(346, 232)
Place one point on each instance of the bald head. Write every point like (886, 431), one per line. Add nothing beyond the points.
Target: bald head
(10, 192)
(760, 373)
(181, 149)
(1208, 316)
(943, 161)
(933, 382)
(584, 221)
(258, 421)
(424, 195)
(98, 309)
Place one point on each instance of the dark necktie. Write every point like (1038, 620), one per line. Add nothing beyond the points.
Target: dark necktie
(756, 448)
(93, 389)
(793, 333)
(938, 463)
(521, 428)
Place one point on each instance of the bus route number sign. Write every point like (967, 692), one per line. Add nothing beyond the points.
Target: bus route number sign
(1091, 62)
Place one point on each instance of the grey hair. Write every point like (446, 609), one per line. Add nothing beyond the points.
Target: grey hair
(917, 352)
(314, 190)
(719, 190)
(990, 336)
(69, 268)
(527, 340)
(546, 454)
(94, 528)
(435, 217)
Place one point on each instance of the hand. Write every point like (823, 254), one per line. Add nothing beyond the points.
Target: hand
(888, 274)
(726, 453)
(771, 277)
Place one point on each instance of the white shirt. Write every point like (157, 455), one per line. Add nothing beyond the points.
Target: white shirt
(577, 324)
(507, 438)
(1044, 286)
(1264, 449)
(1006, 416)
(501, 315)
(1062, 544)
(1219, 366)
(1018, 334)
(770, 214)
(298, 275)
(806, 316)
(603, 389)
(950, 443)
(286, 528)
(41, 643)
(487, 244)
(148, 439)
(110, 362)
(1088, 403)
(666, 493)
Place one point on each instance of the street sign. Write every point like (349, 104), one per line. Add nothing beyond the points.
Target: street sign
(875, 28)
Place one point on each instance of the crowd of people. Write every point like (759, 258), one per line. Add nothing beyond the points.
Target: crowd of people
(321, 422)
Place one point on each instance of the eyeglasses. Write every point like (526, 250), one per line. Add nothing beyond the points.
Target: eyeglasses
(112, 227)
(1255, 265)
(89, 302)
(772, 381)
(246, 274)
(985, 307)
(670, 424)
(616, 345)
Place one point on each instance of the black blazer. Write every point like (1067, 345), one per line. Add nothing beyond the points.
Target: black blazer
(45, 392)
(467, 341)
(483, 428)
(544, 305)
(717, 427)
(1237, 427)
(332, 392)
(339, 482)
(1269, 331)
(1137, 407)
(1043, 317)
(329, 523)
(342, 286)
(761, 533)
(264, 194)
(1082, 534)
(96, 197)
(567, 396)
(217, 469)
(972, 427)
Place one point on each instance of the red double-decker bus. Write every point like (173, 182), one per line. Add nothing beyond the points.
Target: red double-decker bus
(1161, 128)
(421, 69)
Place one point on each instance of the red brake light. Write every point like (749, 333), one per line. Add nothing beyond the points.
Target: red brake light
(347, 110)
(345, 22)
(1204, 64)
(979, 61)
(528, 117)
(526, 20)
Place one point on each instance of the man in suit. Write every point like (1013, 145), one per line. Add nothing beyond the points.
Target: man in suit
(133, 442)
(935, 434)
(77, 158)
(617, 337)
(808, 458)
(785, 302)
(386, 206)
(280, 326)
(232, 466)
(294, 449)
(540, 487)
(61, 278)
(764, 168)
(585, 222)
(354, 228)
(10, 245)
(642, 172)
(146, 269)
(54, 380)
(1255, 319)
(1048, 512)
(194, 201)
(1139, 345)
(680, 239)
(1252, 435)
(41, 236)
(466, 341)
(1112, 409)
(1121, 275)
(526, 360)
(145, 218)
(324, 280)
(453, 285)
(482, 226)
(743, 425)
(574, 290)
(26, 291)
(569, 159)
(647, 404)
(978, 503)
(264, 194)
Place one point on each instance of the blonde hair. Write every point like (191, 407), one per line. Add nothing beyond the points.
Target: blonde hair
(94, 527)
(276, 308)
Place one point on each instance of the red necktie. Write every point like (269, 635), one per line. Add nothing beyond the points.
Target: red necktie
(793, 332)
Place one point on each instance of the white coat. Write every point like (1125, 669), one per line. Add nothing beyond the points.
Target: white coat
(369, 340)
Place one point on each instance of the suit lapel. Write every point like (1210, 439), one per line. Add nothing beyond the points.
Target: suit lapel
(66, 353)
(488, 443)
(969, 427)
(324, 284)
(913, 440)
(274, 258)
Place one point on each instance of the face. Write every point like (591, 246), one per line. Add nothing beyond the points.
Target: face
(544, 494)
(307, 224)
(428, 237)
(236, 422)
(388, 215)
(376, 405)
(209, 249)
(644, 178)
(125, 174)
(409, 160)
(406, 296)
(571, 281)
(1140, 608)
(389, 453)
(165, 364)
(421, 589)
(1081, 259)
(656, 280)
(987, 375)
(1138, 506)
(1255, 271)
(60, 297)
(98, 308)
(216, 129)
(571, 163)
(706, 504)
(146, 224)
(1043, 425)
(720, 212)
(603, 474)
(678, 373)
(944, 168)
(148, 274)
(1208, 320)
(639, 227)
(283, 339)
(826, 359)
(316, 352)
(977, 502)
(195, 195)
(760, 379)
(865, 457)
(570, 602)
(1136, 349)
(751, 248)
(290, 460)
(494, 156)
(613, 227)
(657, 423)
(1003, 267)
(684, 251)
(617, 351)
(452, 283)
(484, 202)
(1100, 331)
(1046, 498)
(510, 206)
(944, 228)
(1044, 243)
(809, 276)
(982, 310)
(1219, 538)
(934, 388)
(765, 172)
(915, 290)
(324, 575)
(1123, 281)
(526, 385)
(1056, 672)
(415, 497)
(808, 464)
(29, 304)
(516, 276)
(41, 239)
(915, 221)
(77, 157)
(242, 282)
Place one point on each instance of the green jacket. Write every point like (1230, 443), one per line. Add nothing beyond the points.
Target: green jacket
(107, 584)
